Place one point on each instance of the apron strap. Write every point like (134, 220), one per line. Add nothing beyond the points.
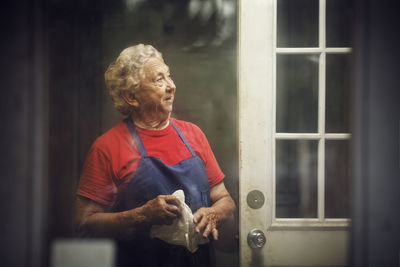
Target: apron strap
(184, 139)
(140, 145)
(136, 138)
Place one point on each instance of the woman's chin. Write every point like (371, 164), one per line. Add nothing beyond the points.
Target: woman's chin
(168, 109)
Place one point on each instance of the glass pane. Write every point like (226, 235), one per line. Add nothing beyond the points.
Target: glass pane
(296, 178)
(338, 23)
(338, 73)
(337, 179)
(297, 23)
(297, 93)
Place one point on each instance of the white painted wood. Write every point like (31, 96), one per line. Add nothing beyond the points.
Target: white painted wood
(307, 248)
(310, 224)
(338, 50)
(313, 50)
(312, 136)
(294, 242)
(321, 110)
(337, 136)
(255, 116)
(273, 126)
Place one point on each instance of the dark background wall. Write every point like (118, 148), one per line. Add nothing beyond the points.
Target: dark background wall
(376, 124)
(24, 133)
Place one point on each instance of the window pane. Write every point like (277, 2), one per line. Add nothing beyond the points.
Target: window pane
(297, 23)
(338, 73)
(338, 24)
(297, 93)
(337, 179)
(296, 179)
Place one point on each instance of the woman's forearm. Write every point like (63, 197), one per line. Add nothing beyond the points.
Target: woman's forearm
(120, 225)
(92, 220)
(224, 208)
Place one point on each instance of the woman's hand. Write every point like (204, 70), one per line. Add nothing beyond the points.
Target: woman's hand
(213, 220)
(207, 220)
(161, 210)
(93, 220)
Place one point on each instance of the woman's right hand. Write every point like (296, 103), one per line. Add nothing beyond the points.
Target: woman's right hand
(93, 220)
(161, 210)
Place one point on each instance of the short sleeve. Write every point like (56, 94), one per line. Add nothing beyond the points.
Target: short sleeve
(96, 181)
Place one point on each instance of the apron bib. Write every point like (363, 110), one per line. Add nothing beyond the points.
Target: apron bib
(152, 178)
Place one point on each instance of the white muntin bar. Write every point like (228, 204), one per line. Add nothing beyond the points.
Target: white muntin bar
(273, 145)
(312, 136)
(298, 50)
(338, 50)
(297, 136)
(321, 110)
(313, 50)
(309, 223)
(337, 136)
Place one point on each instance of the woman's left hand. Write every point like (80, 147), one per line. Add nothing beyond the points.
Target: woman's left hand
(206, 220)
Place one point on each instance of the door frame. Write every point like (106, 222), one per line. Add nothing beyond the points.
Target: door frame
(256, 94)
(255, 99)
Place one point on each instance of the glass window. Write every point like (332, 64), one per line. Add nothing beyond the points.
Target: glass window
(337, 179)
(297, 93)
(297, 23)
(338, 74)
(296, 179)
(338, 14)
(313, 82)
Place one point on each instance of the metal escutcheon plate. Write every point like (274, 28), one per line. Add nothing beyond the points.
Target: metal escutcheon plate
(255, 199)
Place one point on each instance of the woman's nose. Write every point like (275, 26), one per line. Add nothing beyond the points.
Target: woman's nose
(170, 85)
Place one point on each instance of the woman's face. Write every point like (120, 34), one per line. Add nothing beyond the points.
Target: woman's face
(157, 89)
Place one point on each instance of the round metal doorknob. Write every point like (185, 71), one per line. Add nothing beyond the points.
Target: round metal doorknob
(256, 238)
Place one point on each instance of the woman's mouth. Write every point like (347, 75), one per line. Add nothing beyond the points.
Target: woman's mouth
(168, 99)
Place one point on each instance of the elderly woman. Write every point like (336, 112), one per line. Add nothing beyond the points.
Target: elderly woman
(132, 170)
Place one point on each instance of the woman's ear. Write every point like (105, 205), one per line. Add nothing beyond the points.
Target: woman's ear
(130, 98)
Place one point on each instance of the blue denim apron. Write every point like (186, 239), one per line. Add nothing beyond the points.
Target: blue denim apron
(152, 178)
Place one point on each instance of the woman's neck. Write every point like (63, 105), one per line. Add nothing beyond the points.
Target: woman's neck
(150, 124)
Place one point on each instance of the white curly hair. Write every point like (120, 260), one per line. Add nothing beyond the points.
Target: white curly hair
(126, 72)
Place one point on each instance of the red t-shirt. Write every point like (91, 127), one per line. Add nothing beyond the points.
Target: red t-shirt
(114, 157)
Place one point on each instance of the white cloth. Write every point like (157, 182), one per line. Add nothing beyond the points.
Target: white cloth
(182, 230)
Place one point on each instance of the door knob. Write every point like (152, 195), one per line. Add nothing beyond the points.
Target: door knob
(256, 238)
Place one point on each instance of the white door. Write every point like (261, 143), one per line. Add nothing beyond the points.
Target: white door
(294, 132)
